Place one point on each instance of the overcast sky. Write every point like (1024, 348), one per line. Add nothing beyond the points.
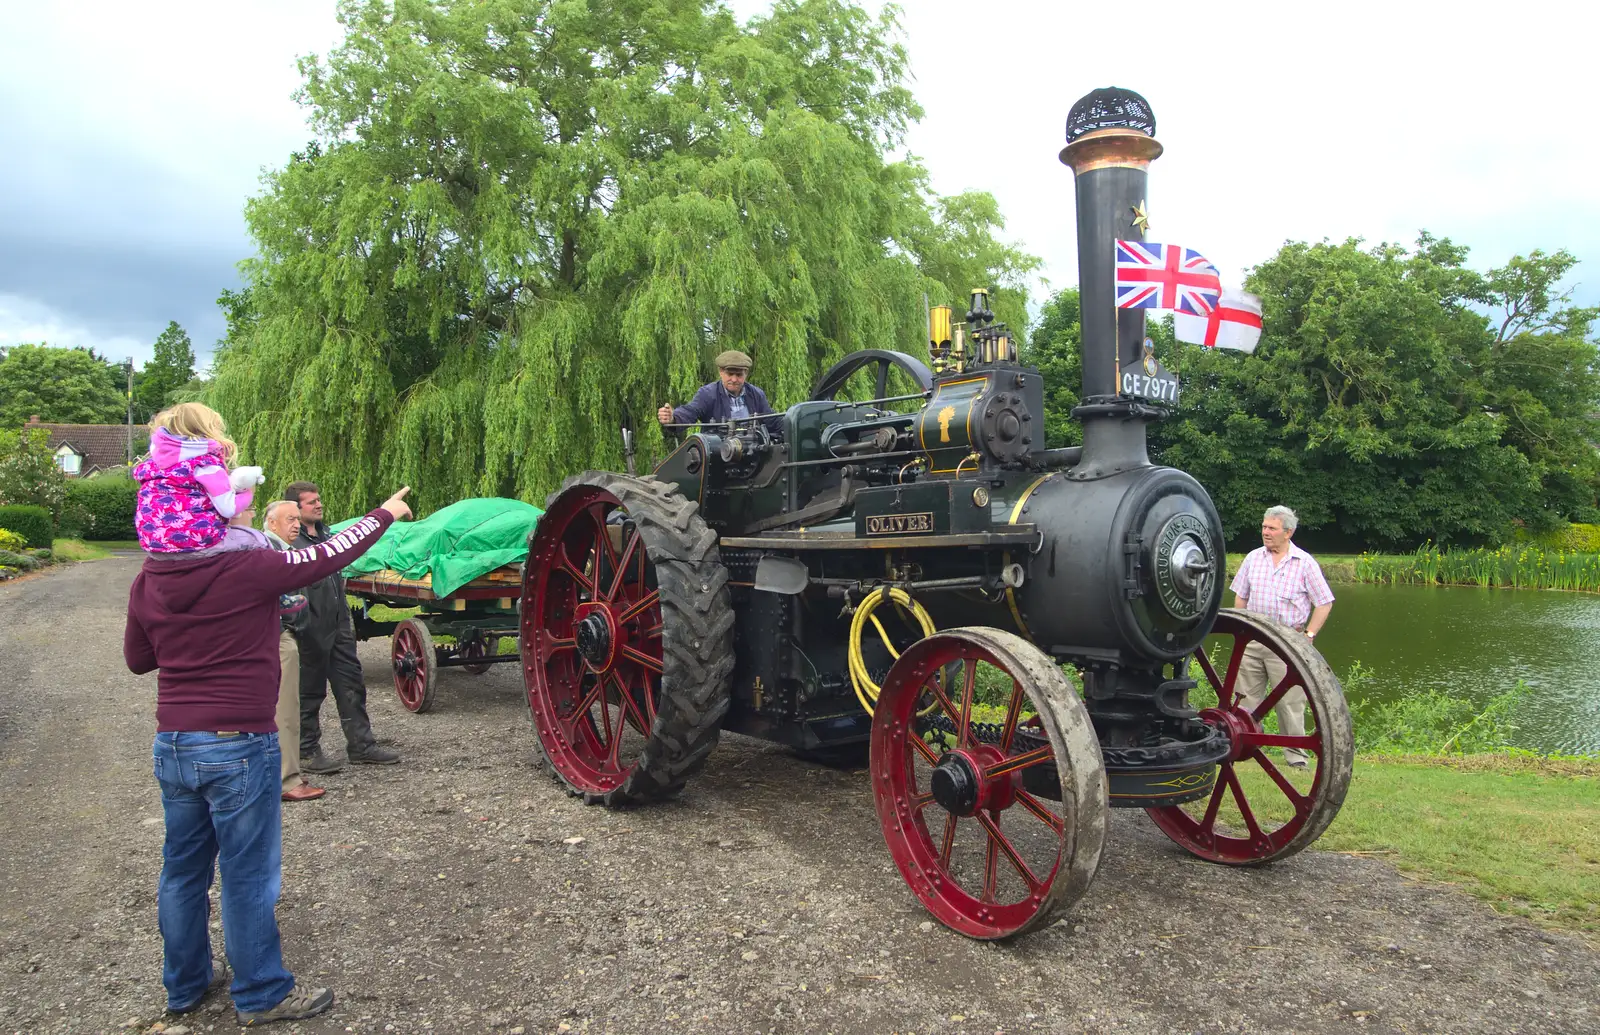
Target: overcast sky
(133, 133)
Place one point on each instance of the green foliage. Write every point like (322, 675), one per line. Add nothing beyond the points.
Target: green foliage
(29, 473)
(31, 523)
(20, 561)
(100, 508)
(1519, 567)
(1381, 404)
(171, 368)
(1574, 537)
(62, 386)
(525, 220)
(1055, 347)
(1434, 723)
(11, 541)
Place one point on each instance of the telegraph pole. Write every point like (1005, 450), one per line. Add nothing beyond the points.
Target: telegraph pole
(130, 412)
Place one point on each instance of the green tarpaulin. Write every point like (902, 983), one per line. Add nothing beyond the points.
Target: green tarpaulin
(456, 545)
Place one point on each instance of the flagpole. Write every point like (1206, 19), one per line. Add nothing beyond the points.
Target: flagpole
(1116, 339)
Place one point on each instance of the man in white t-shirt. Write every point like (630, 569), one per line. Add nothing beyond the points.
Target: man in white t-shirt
(1282, 582)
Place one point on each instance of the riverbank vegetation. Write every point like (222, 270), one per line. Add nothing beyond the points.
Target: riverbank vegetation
(1509, 567)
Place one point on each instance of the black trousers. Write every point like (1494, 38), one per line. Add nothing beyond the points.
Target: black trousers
(339, 666)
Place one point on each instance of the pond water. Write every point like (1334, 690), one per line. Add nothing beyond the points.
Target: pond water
(1475, 644)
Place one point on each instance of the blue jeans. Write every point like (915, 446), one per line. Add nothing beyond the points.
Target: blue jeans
(221, 799)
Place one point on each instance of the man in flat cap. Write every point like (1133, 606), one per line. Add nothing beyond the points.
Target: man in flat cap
(730, 397)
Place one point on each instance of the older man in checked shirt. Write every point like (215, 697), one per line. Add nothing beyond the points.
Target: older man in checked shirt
(1282, 582)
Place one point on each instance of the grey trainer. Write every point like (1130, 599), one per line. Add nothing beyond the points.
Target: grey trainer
(300, 1003)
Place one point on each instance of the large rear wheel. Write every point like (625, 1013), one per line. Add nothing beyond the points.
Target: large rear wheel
(627, 638)
(1263, 806)
(995, 825)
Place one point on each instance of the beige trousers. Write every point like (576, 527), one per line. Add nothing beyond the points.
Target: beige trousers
(1259, 671)
(289, 710)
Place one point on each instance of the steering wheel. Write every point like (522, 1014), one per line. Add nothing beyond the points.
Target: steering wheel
(828, 385)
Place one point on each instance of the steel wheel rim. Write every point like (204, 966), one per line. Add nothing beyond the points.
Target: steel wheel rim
(586, 696)
(924, 837)
(410, 668)
(1262, 841)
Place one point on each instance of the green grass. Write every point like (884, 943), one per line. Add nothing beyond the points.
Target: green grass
(78, 550)
(115, 544)
(385, 613)
(1523, 835)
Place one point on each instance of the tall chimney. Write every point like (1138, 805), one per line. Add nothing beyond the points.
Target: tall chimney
(1110, 145)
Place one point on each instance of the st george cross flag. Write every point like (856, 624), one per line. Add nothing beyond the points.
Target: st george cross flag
(1165, 276)
(1235, 323)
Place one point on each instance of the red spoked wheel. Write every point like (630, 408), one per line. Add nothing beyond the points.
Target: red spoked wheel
(1262, 808)
(627, 638)
(995, 826)
(411, 652)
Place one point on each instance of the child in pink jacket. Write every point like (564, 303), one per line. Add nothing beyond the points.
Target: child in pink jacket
(187, 492)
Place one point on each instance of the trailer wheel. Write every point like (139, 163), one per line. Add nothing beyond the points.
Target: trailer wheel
(995, 826)
(627, 638)
(411, 652)
(1261, 810)
(479, 646)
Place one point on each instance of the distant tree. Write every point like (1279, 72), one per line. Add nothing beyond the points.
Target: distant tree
(1382, 404)
(523, 219)
(61, 385)
(170, 369)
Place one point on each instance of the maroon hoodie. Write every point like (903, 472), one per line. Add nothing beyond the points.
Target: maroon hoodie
(210, 624)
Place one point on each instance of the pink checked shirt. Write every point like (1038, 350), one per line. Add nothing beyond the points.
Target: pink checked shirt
(1285, 594)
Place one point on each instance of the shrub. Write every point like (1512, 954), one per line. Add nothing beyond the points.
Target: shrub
(100, 508)
(11, 542)
(18, 560)
(1574, 538)
(28, 471)
(32, 523)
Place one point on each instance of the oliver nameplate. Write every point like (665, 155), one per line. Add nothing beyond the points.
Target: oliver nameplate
(899, 524)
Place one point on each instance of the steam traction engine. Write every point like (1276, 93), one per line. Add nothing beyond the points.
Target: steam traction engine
(901, 577)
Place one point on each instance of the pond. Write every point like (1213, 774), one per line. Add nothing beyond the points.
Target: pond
(1475, 644)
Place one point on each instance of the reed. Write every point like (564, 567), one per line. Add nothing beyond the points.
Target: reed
(1522, 566)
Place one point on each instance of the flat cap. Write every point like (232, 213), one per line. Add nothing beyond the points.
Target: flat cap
(733, 358)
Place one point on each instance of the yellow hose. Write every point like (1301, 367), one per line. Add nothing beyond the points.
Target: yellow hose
(866, 690)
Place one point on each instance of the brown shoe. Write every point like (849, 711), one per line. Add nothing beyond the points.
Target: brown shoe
(304, 792)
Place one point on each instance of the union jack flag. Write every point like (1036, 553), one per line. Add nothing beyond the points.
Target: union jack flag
(1165, 276)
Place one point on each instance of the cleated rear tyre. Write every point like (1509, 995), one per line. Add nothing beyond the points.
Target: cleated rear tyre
(627, 638)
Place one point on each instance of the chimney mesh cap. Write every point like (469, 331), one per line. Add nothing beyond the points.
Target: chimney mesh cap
(1110, 108)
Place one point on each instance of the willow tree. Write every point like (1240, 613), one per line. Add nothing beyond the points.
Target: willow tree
(525, 221)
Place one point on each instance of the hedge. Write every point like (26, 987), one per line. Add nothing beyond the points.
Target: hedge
(32, 523)
(1573, 538)
(100, 508)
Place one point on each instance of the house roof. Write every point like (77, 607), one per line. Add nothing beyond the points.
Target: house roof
(101, 445)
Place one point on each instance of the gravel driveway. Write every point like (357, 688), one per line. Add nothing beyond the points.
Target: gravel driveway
(463, 892)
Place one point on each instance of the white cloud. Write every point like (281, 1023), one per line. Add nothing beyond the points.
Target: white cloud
(24, 321)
